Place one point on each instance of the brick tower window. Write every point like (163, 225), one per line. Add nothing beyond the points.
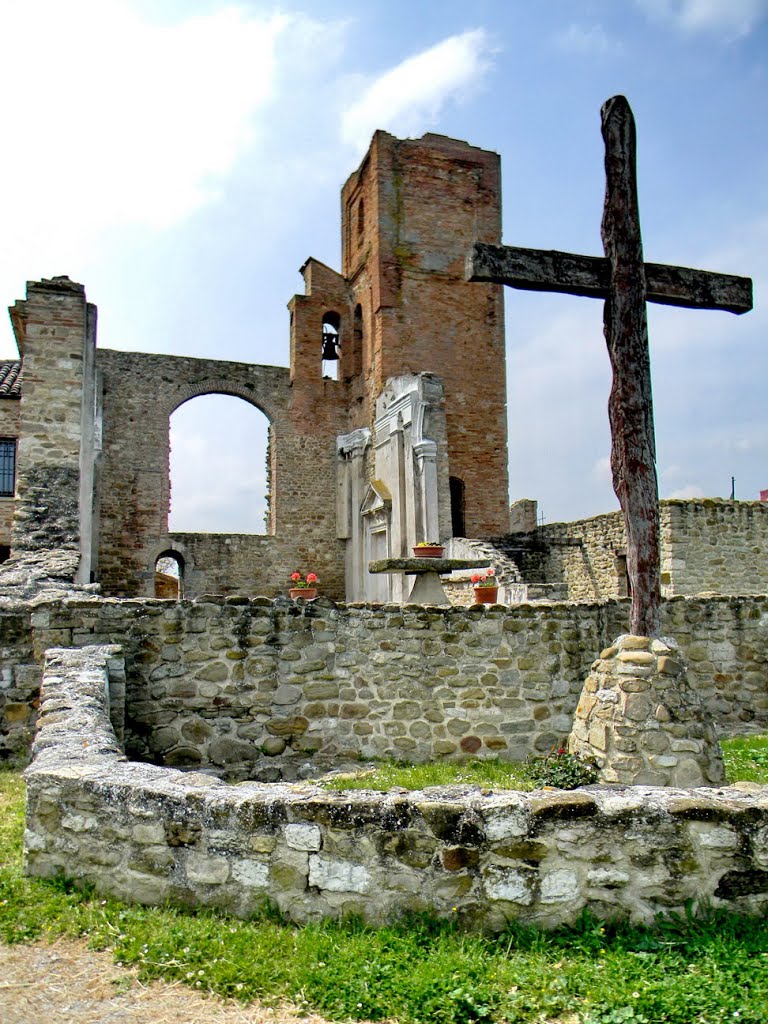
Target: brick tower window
(7, 466)
(331, 345)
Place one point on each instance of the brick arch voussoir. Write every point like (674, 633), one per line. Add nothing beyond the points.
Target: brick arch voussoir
(221, 386)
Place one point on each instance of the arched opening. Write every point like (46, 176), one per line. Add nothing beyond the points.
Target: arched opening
(169, 575)
(456, 486)
(219, 473)
(331, 345)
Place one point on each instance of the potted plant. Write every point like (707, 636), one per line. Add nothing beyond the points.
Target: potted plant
(486, 587)
(429, 549)
(303, 587)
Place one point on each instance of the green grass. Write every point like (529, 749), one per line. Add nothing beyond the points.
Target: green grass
(688, 970)
(385, 775)
(746, 759)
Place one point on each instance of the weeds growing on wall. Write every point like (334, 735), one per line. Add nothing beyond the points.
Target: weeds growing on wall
(707, 969)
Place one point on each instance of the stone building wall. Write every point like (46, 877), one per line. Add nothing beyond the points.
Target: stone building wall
(9, 427)
(264, 687)
(156, 835)
(19, 683)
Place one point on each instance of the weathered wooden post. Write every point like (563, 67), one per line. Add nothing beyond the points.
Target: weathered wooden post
(636, 696)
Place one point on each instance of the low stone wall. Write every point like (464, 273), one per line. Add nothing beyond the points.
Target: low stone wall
(153, 835)
(262, 688)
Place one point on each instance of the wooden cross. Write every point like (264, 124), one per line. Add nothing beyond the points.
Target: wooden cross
(626, 282)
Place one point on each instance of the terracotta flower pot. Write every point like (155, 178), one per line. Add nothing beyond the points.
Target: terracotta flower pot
(486, 595)
(303, 593)
(429, 552)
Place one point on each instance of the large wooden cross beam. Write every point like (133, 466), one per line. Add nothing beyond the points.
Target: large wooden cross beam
(626, 282)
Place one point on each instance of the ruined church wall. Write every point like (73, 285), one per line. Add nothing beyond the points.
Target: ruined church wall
(19, 683)
(55, 330)
(155, 835)
(581, 554)
(707, 544)
(263, 687)
(141, 391)
(713, 544)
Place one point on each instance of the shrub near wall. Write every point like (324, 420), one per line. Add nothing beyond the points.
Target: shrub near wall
(153, 834)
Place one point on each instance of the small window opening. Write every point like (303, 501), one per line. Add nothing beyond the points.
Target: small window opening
(169, 576)
(623, 581)
(360, 221)
(456, 486)
(7, 466)
(331, 345)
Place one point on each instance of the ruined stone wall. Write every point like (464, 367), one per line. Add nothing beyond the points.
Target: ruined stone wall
(55, 328)
(19, 683)
(583, 554)
(707, 544)
(713, 544)
(155, 835)
(264, 687)
(141, 391)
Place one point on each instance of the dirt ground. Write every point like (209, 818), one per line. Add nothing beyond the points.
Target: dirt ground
(67, 983)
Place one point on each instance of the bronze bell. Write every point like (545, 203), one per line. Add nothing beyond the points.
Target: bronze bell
(330, 345)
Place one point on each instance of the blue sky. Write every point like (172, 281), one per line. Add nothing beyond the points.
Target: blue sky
(183, 158)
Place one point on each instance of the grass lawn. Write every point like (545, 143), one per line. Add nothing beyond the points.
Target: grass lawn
(687, 970)
(746, 759)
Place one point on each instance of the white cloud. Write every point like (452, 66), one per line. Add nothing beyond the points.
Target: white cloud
(409, 97)
(115, 120)
(689, 491)
(601, 470)
(732, 19)
(587, 39)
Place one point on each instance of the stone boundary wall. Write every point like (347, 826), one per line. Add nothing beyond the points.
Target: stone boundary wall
(707, 545)
(713, 544)
(261, 688)
(152, 835)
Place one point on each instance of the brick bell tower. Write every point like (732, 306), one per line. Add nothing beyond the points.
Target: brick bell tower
(410, 215)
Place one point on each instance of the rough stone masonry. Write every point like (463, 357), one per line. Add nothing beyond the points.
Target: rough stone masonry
(150, 834)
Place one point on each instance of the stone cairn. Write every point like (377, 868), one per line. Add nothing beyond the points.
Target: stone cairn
(641, 722)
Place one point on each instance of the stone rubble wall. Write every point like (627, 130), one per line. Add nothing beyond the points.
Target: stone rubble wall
(640, 721)
(155, 835)
(263, 688)
(55, 331)
(707, 545)
(713, 544)
(19, 684)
